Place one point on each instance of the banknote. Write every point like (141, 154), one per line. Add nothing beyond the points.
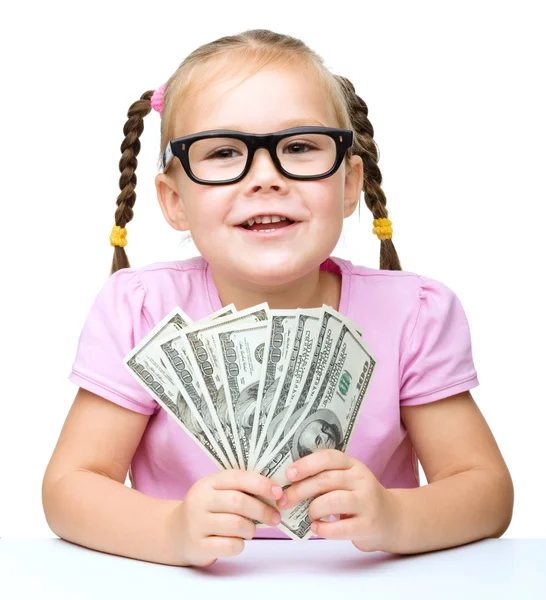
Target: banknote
(259, 388)
(359, 331)
(279, 338)
(147, 364)
(303, 391)
(203, 353)
(197, 409)
(326, 422)
(305, 339)
(241, 350)
(182, 370)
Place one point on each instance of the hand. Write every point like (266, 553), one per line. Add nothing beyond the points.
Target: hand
(216, 515)
(344, 486)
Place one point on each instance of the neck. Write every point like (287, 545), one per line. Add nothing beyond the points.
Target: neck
(311, 291)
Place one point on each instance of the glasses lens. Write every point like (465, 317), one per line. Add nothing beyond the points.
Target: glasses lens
(217, 159)
(307, 154)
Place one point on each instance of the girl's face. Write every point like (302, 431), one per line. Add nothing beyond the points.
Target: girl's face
(271, 100)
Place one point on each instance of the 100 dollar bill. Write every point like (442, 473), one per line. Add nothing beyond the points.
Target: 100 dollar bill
(148, 365)
(305, 339)
(279, 341)
(303, 392)
(203, 351)
(326, 422)
(241, 349)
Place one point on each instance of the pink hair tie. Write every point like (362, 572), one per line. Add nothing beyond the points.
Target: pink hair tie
(157, 99)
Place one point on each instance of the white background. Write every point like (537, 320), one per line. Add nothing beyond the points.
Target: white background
(456, 96)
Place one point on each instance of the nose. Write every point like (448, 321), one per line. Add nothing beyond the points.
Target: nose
(263, 173)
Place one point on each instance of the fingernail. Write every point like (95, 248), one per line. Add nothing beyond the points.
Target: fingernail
(282, 502)
(277, 491)
(291, 472)
(276, 519)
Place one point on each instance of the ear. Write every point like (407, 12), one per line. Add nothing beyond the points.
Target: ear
(171, 204)
(354, 180)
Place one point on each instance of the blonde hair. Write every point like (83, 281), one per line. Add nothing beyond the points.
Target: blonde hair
(256, 49)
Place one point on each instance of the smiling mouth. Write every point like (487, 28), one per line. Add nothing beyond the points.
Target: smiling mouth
(267, 226)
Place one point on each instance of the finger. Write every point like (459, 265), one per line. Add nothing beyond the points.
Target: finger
(333, 503)
(247, 481)
(322, 460)
(311, 487)
(223, 547)
(239, 503)
(335, 530)
(230, 525)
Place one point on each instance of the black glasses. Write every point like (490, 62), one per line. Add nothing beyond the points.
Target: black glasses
(224, 156)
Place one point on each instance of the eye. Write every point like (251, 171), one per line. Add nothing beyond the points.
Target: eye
(299, 147)
(221, 153)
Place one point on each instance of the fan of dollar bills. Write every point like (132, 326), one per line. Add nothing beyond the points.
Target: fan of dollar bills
(258, 389)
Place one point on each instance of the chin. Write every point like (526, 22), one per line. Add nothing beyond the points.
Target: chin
(278, 269)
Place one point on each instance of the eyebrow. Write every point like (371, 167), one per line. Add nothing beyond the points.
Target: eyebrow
(284, 125)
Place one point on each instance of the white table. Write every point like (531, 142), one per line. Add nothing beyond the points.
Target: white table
(37, 569)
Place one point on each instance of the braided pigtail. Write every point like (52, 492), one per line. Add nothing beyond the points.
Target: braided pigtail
(130, 147)
(374, 195)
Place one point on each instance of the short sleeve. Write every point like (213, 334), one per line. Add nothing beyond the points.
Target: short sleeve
(437, 361)
(113, 327)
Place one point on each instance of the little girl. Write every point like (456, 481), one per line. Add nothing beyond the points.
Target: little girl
(264, 152)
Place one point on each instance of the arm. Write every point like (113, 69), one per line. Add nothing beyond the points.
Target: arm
(84, 497)
(470, 495)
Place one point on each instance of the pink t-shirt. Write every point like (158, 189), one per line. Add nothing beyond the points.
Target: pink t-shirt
(415, 327)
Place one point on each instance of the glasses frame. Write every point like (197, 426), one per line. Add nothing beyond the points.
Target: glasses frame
(180, 148)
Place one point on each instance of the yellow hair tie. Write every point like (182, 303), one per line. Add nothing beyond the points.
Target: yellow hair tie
(118, 237)
(382, 228)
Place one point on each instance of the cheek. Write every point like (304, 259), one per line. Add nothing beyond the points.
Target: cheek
(326, 199)
(206, 208)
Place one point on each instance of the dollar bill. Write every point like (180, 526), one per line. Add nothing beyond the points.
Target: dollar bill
(326, 422)
(241, 350)
(303, 392)
(147, 364)
(203, 353)
(279, 340)
(181, 369)
(258, 389)
(359, 331)
(305, 339)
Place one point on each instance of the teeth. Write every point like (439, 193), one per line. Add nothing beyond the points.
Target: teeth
(265, 219)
